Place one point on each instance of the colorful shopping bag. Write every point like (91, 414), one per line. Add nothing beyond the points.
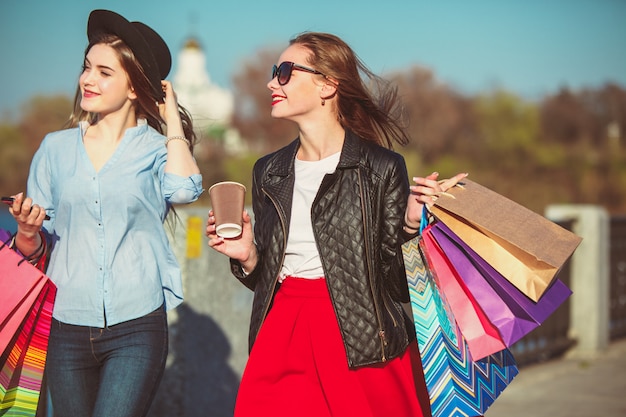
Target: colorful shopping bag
(481, 335)
(457, 385)
(505, 234)
(26, 298)
(17, 296)
(513, 313)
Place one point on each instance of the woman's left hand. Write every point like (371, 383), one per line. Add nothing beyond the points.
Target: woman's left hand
(169, 108)
(425, 191)
(180, 160)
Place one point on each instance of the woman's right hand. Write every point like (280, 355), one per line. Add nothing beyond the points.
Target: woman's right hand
(29, 218)
(241, 248)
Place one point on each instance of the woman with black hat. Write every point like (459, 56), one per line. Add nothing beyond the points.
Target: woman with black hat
(107, 184)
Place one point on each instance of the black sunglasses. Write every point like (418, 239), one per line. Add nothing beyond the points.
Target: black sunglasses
(283, 71)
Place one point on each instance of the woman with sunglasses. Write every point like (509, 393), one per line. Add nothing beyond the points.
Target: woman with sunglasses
(108, 183)
(328, 332)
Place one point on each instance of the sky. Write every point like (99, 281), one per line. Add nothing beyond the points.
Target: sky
(529, 47)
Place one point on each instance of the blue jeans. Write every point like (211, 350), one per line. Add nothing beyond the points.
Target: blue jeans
(110, 372)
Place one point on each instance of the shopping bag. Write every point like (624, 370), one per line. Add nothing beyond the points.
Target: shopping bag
(20, 285)
(26, 298)
(510, 311)
(16, 299)
(481, 335)
(457, 385)
(555, 295)
(23, 365)
(505, 234)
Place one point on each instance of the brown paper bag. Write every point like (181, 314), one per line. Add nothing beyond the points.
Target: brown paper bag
(525, 247)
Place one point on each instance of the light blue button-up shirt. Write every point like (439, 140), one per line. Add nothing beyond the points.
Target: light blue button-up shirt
(111, 261)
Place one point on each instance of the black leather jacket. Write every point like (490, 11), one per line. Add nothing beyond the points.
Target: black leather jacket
(357, 220)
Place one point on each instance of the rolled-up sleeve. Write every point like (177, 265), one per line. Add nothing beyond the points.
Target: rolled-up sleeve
(182, 190)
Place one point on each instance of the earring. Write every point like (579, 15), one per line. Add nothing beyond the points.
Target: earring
(323, 102)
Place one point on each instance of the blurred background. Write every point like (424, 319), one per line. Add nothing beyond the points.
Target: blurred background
(529, 97)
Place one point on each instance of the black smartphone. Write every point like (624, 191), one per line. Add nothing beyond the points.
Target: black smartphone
(9, 201)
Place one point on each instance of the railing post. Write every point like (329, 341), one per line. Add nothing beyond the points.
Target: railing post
(590, 280)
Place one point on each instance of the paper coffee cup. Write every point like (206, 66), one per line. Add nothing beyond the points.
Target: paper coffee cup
(227, 200)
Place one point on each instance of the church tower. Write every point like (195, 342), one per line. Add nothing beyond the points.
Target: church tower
(210, 105)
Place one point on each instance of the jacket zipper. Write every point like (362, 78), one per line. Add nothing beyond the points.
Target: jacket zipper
(381, 331)
(282, 224)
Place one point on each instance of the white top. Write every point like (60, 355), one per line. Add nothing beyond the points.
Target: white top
(302, 258)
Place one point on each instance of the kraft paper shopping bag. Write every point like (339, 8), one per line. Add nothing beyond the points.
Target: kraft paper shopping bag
(523, 246)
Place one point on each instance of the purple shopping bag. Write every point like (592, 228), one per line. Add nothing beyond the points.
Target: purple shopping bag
(509, 310)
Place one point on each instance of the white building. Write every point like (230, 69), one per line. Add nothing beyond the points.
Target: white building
(209, 104)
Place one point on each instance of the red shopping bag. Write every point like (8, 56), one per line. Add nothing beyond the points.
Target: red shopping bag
(482, 337)
(511, 311)
(17, 297)
(26, 304)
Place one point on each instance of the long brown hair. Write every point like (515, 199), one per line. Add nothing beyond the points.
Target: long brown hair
(146, 103)
(373, 113)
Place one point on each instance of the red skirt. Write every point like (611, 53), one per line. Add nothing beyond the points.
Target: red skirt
(298, 366)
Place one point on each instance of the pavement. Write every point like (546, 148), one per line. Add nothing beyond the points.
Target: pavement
(568, 387)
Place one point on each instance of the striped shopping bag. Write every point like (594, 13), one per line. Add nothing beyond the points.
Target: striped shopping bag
(458, 386)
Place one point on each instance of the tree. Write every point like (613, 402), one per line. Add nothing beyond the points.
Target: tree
(41, 115)
(588, 126)
(14, 160)
(439, 119)
(19, 142)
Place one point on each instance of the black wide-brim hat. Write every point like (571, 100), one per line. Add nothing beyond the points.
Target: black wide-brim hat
(149, 48)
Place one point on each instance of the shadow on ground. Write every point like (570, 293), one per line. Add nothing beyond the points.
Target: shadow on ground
(199, 381)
